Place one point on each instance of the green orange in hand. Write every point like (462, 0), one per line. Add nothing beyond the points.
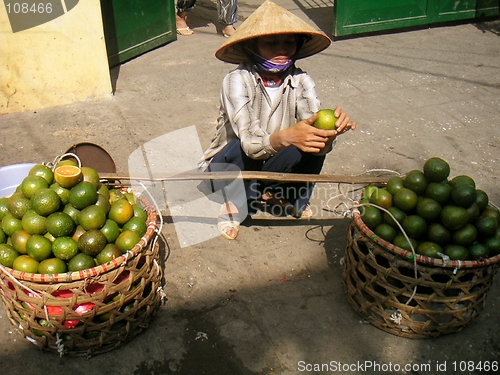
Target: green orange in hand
(326, 119)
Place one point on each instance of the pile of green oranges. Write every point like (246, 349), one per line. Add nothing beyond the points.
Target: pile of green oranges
(440, 215)
(64, 219)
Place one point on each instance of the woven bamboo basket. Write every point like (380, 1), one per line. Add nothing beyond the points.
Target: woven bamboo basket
(92, 311)
(412, 296)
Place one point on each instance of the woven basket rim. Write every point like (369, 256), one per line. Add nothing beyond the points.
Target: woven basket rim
(101, 269)
(422, 259)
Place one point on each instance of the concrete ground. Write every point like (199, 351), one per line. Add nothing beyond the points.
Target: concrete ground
(272, 302)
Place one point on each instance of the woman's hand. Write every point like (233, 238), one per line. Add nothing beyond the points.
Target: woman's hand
(344, 122)
(302, 135)
(308, 138)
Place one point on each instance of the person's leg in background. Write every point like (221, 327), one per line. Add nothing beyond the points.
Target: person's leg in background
(227, 11)
(183, 6)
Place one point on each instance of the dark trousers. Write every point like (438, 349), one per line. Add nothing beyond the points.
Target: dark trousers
(288, 160)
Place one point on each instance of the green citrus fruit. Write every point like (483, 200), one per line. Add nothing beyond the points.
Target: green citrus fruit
(401, 241)
(436, 170)
(473, 211)
(34, 223)
(454, 217)
(415, 226)
(19, 239)
(18, 205)
(39, 247)
(438, 233)
(326, 119)
(31, 184)
(4, 207)
(10, 224)
(429, 209)
(83, 195)
(127, 240)
(92, 176)
(491, 212)
(465, 236)
(381, 198)
(486, 226)
(68, 176)
(139, 212)
(42, 171)
(103, 190)
(369, 190)
(415, 180)
(463, 195)
(394, 184)
(371, 216)
(439, 191)
(111, 230)
(462, 179)
(92, 217)
(25, 263)
(110, 252)
(45, 201)
(64, 248)
(482, 199)
(7, 255)
(52, 266)
(396, 215)
(137, 225)
(103, 202)
(81, 262)
(429, 249)
(92, 242)
(3, 236)
(405, 199)
(62, 192)
(478, 251)
(456, 252)
(66, 162)
(493, 244)
(72, 212)
(386, 232)
(121, 211)
(59, 224)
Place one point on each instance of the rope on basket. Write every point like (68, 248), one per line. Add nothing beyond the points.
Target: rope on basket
(158, 231)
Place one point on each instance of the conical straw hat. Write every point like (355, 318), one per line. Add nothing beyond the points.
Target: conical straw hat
(271, 19)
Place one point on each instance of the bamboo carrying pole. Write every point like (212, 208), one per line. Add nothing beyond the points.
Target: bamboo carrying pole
(249, 175)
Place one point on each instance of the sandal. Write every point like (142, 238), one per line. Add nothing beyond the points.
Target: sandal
(227, 223)
(184, 31)
(307, 213)
(227, 35)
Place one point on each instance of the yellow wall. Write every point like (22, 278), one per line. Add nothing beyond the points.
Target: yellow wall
(59, 62)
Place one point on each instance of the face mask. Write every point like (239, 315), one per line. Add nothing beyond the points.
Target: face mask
(266, 66)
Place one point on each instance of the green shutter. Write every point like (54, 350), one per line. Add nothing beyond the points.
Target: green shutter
(133, 27)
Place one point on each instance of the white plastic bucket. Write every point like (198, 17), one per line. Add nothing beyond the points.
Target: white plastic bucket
(11, 176)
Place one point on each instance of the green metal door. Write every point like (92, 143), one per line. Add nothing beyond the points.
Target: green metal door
(133, 27)
(362, 16)
(453, 10)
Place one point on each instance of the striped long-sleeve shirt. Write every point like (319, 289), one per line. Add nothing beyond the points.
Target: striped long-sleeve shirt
(249, 113)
